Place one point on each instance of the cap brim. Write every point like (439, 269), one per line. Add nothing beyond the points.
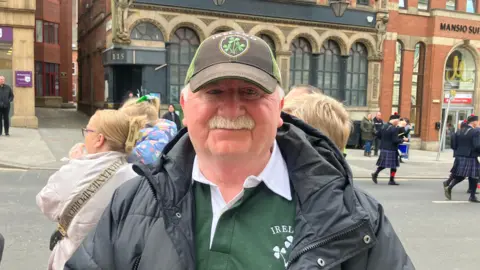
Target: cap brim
(234, 71)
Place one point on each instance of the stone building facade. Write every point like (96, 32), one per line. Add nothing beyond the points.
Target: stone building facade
(17, 24)
(152, 50)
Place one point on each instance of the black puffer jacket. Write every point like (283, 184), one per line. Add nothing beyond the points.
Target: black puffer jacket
(149, 224)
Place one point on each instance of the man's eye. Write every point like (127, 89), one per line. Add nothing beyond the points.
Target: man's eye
(250, 92)
(214, 92)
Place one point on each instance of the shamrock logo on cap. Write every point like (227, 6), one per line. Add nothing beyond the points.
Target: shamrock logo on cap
(234, 45)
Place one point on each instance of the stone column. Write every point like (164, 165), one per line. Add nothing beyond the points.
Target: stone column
(373, 90)
(283, 60)
(406, 83)
(23, 59)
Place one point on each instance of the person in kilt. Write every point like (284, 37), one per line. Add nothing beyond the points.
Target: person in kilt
(390, 140)
(453, 143)
(467, 145)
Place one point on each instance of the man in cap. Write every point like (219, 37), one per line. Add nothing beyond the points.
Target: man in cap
(467, 150)
(243, 186)
(390, 139)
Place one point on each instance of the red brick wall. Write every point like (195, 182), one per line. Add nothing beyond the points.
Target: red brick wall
(59, 12)
(432, 99)
(91, 43)
(386, 90)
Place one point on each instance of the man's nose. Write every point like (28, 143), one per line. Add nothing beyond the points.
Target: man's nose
(232, 106)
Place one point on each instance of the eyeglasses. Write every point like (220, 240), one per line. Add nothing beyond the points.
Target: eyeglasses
(86, 131)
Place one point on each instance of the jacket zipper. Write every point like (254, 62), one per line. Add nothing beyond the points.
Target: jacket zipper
(137, 262)
(324, 242)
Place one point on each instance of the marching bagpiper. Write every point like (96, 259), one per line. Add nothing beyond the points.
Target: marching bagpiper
(390, 139)
(453, 144)
(467, 146)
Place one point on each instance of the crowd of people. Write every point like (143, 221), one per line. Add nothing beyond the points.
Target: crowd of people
(255, 179)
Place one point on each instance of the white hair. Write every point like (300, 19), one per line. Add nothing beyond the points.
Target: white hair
(186, 90)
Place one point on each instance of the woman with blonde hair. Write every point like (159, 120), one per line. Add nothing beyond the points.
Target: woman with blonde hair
(155, 135)
(76, 195)
(323, 113)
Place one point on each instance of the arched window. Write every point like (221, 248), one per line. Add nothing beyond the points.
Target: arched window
(270, 43)
(300, 61)
(397, 77)
(417, 88)
(146, 31)
(181, 50)
(357, 74)
(328, 70)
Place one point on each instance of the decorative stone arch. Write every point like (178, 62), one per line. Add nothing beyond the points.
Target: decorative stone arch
(222, 24)
(304, 32)
(272, 31)
(191, 22)
(152, 21)
(367, 40)
(337, 36)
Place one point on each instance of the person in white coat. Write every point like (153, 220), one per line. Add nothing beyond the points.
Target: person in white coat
(109, 137)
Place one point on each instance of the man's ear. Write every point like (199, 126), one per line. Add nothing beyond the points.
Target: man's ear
(182, 103)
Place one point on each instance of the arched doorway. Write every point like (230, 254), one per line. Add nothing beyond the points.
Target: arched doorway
(459, 75)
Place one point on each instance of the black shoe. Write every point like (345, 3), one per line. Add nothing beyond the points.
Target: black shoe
(7, 135)
(374, 178)
(468, 191)
(393, 183)
(448, 193)
(473, 200)
(445, 184)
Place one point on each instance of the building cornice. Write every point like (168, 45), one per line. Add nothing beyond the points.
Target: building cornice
(252, 18)
(17, 10)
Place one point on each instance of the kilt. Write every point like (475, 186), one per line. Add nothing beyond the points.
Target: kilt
(388, 159)
(466, 167)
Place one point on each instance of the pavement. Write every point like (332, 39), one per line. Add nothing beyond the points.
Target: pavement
(43, 148)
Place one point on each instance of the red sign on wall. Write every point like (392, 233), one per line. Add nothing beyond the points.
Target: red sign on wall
(459, 99)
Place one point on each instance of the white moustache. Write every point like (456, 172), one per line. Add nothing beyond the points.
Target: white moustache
(242, 122)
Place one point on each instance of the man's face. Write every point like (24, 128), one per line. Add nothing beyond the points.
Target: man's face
(369, 116)
(379, 116)
(2, 80)
(170, 108)
(474, 124)
(232, 118)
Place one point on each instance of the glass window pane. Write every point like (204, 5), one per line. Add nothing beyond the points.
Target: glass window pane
(423, 4)
(327, 81)
(354, 97)
(470, 6)
(320, 80)
(298, 60)
(356, 62)
(298, 77)
(347, 99)
(362, 99)
(363, 64)
(328, 61)
(38, 31)
(174, 94)
(55, 34)
(355, 81)
(363, 82)
(45, 32)
(349, 81)
(306, 61)
(305, 79)
(335, 80)
(401, 3)
(174, 76)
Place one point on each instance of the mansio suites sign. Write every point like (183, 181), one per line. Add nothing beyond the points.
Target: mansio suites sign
(462, 28)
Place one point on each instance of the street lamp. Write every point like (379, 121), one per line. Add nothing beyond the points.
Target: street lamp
(219, 2)
(339, 6)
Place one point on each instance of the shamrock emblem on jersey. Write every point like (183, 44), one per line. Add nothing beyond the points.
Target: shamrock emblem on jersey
(281, 252)
(234, 45)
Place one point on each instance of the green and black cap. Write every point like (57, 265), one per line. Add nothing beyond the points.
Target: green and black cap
(234, 55)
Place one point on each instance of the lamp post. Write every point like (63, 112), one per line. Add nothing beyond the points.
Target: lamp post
(219, 2)
(339, 6)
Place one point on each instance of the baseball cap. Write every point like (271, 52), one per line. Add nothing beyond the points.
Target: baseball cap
(234, 55)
